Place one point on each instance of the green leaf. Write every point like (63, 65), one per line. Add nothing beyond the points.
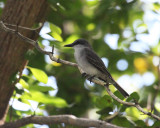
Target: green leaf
(41, 88)
(55, 29)
(71, 38)
(56, 44)
(25, 101)
(140, 123)
(120, 96)
(24, 84)
(104, 112)
(46, 99)
(156, 124)
(135, 96)
(92, 2)
(19, 91)
(135, 114)
(39, 74)
(103, 102)
(55, 32)
(123, 108)
(56, 36)
(123, 122)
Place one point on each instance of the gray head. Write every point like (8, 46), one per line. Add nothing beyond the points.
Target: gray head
(79, 43)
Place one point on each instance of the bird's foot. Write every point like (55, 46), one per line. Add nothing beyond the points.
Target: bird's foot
(84, 75)
(90, 78)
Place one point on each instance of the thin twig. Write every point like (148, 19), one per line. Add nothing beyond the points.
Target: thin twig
(25, 28)
(95, 80)
(131, 104)
(149, 103)
(111, 117)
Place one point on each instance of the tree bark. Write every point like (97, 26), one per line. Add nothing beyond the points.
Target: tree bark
(12, 49)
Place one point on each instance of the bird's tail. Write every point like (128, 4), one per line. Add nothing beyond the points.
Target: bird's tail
(122, 91)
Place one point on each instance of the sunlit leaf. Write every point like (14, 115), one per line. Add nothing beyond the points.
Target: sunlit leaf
(92, 2)
(41, 88)
(46, 99)
(55, 32)
(56, 44)
(157, 106)
(135, 114)
(24, 84)
(156, 49)
(39, 74)
(56, 64)
(156, 7)
(90, 26)
(26, 102)
(71, 38)
(55, 29)
(56, 36)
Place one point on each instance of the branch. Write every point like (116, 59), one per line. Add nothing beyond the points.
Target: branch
(25, 28)
(132, 104)
(111, 117)
(67, 119)
(95, 80)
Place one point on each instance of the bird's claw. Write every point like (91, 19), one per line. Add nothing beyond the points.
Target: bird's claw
(84, 75)
(90, 78)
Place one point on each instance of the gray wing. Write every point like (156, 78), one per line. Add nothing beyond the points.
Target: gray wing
(95, 60)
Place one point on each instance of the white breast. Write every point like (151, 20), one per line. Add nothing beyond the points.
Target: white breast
(82, 61)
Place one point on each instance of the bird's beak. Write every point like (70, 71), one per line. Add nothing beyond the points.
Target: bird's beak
(69, 45)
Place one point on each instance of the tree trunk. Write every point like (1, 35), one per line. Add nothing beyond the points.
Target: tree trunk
(12, 49)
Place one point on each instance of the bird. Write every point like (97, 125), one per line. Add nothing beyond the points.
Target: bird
(92, 65)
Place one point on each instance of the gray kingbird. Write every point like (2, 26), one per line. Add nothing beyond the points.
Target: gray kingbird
(91, 63)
